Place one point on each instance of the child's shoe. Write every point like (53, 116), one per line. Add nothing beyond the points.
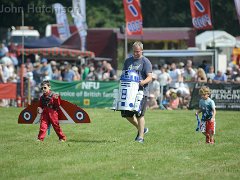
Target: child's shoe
(207, 139)
(39, 140)
(140, 140)
(212, 141)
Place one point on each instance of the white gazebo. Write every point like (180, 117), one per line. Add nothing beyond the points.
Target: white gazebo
(215, 39)
(221, 40)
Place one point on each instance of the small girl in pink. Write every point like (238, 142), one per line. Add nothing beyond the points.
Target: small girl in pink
(173, 101)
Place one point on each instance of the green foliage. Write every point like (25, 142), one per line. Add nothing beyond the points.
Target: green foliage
(225, 16)
(105, 13)
(105, 149)
(166, 14)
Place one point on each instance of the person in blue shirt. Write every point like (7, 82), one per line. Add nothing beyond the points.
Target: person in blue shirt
(46, 70)
(68, 73)
(207, 108)
(220, 77)
(143, 66)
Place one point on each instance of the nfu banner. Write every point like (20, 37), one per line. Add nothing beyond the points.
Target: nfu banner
(133, 17)
(201, 14)
(225, 96)
(86, 93)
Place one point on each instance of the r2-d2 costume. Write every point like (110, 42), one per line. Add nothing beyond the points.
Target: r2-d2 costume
(128, 96)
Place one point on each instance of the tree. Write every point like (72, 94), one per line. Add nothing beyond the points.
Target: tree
(105, 13)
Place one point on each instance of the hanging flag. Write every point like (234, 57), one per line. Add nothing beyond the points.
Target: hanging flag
(237, 4)
(63, 27)
(79, 16)
(201, 14)
(133, 17)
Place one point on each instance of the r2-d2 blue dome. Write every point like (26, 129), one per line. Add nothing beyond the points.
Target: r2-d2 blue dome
(130, 75)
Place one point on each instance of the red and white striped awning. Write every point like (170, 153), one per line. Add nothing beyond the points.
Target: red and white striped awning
(57, 52)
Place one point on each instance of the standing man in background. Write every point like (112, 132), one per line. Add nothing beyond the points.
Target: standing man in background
(143, 67)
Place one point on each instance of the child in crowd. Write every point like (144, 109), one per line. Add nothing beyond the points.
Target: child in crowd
(173, 100)
(152, 102)
(207, 108)
(48, 108)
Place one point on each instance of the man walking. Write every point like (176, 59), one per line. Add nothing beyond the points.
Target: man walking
(143, 67)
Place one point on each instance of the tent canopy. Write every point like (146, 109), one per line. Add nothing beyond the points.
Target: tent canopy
(215, 38)
(45, 42)
(53, 47)
(57, 53)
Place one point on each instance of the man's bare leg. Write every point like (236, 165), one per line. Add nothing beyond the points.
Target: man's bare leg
(141, 124)
(133, 121)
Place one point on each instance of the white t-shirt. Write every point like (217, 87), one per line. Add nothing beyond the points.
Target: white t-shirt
(163, 78)
(189, 75)
(174, 75)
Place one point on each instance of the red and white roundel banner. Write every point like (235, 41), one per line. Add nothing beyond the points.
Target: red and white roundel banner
(201, 14)
(133, 16)
(27, 115)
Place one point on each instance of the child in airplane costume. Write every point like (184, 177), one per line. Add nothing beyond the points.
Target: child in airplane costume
(48, 108)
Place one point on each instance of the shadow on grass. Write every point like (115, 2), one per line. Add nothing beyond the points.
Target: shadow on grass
(90, 141)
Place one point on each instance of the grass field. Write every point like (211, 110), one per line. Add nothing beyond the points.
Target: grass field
(105, 148)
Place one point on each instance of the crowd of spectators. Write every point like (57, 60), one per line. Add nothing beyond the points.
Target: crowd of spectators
(173, 83)
(170, 89)
(39, 69)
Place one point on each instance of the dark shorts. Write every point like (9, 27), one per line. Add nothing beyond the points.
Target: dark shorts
(165, 88)
(126, 113)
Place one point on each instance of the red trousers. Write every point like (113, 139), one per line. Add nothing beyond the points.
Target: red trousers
(210, 128)
(50, 116)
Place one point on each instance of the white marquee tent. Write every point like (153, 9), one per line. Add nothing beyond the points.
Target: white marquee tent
(219, 38)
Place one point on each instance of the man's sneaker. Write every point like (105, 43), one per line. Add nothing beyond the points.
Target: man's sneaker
(62, 140)
(140, 140)
(145, 132)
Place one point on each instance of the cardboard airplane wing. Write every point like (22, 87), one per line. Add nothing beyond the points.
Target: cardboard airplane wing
(67, 113)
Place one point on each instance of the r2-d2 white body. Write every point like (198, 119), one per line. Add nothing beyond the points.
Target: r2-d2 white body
(128, 96)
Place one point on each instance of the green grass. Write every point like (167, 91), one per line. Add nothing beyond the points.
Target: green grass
(105, 148)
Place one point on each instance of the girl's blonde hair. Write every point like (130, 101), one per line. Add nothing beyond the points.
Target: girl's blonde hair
(204, 90)
(173, 95)
(201, 73)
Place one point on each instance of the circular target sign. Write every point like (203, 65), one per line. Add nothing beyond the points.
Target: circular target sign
(79, 115)
(27, 116)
